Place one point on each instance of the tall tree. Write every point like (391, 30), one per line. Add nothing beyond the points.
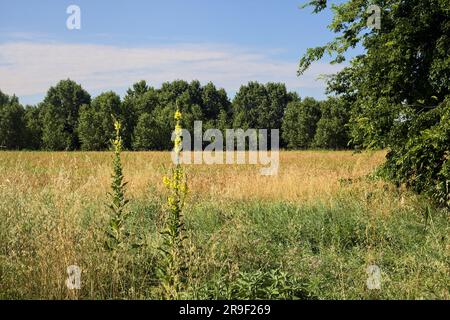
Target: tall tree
(33, 127)
(216, 107)
(147, 134)
(179, 94)
(400, 86)
(406, 62)
(60, 115)
(12, 128)
(260, 106)
(300, 123)
(140, 99)
(332, 132)
(96, 121)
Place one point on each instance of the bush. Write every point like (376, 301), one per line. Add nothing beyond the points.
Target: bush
(422, 162)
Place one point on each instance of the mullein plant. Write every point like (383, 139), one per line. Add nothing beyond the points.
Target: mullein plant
(116, 232)
(172, 270)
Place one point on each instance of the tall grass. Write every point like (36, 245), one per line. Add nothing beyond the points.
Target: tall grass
(309, 233)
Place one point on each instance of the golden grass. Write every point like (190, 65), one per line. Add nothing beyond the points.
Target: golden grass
(303, 175)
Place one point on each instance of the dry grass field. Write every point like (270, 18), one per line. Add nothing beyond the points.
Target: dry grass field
(303, 176)
(309, 232)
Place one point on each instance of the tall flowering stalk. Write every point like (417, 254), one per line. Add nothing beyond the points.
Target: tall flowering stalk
(116, 232)
(172, 270)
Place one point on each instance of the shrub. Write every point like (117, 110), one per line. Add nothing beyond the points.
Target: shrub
(422, 162)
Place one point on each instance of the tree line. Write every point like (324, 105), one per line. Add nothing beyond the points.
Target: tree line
(69, 119)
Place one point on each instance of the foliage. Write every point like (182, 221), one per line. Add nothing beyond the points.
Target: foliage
(332, 131)
(140, 99)
(274, 284)
(394, 88)
(33, 128)
(300, 123)
(423, 162)
(95, 124)
(12, 131)
(146, 136)
(152, 111)
(405, 63)
(260, 106)
(67, 120)
(60, 115)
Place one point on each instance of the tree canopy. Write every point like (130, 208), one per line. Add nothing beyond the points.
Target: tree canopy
(68, 119)
(398, 90)
(59, 114)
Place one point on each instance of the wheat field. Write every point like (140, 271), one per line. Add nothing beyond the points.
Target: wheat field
(314, 228)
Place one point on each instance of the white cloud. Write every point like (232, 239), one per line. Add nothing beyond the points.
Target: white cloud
(28, 68)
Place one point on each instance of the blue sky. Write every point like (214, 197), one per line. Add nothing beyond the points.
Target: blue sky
(120, 42)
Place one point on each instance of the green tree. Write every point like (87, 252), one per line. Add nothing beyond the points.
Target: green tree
(216, 108)
(332, 132)
(398, 86)
(33, 127)
(12, 133)
(60, 111)
(169, 95)
(140, 99)
(146, 135)
(300, 122)
(197, 103)
(260, 106)
(96, 125)
(149, 111)
(406, 63)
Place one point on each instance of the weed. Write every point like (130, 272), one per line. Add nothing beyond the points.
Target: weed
(116, 232)
(173, 267)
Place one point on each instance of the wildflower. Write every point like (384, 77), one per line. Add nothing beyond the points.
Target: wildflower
(172, 270)
(116, 232)
(166, 181)
(177, 115)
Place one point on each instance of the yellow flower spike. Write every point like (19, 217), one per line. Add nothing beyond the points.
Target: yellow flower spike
(166, 181)
(177, 142)
(117, 125)
(174, 265)
(171, 201)
(177, 115)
